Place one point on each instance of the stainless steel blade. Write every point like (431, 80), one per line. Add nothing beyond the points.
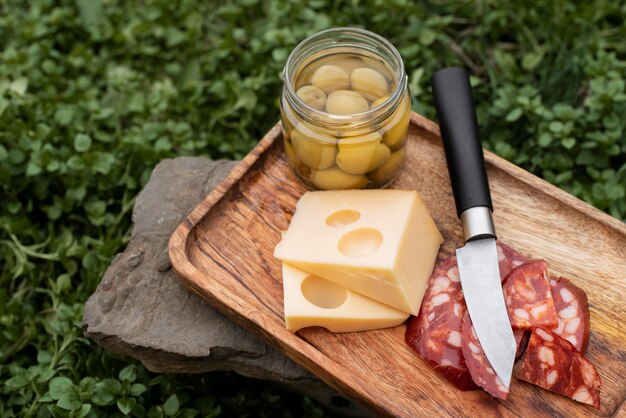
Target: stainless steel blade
(480, 280)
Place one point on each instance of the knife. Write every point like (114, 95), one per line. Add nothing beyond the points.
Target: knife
(478, 259)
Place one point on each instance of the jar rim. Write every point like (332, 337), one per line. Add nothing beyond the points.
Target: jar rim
(384, 108)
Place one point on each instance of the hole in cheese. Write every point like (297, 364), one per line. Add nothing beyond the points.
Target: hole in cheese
(342, 218)
(360, 242)
(323, 293)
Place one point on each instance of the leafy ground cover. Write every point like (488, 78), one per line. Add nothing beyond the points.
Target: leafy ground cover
(93, 93)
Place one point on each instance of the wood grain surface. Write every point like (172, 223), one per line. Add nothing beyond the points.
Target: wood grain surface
(223, 252)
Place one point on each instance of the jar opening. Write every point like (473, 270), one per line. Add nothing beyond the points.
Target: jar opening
(344, 41)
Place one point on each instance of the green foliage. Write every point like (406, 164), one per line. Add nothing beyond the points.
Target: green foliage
(93, 93)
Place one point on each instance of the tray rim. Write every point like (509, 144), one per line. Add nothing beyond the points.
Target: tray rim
(425, 124)
(297, 349)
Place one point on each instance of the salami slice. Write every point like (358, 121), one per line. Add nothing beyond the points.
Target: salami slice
(435, 334)
(508, 259)
(478, 364)
(556, 365)
(521, 338)
(528, 298)
(572, 309)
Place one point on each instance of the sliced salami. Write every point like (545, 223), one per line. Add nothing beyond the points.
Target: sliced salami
(478, 364)
(435, 334)
(508, 259)
(528, 298)
(572, 309)
(556, 365)
(521, 338)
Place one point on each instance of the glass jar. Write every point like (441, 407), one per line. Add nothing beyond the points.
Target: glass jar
(345, 110)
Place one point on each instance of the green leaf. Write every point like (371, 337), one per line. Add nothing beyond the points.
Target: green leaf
(17, 382)
(544, 140)
(128, 373)
(171, 406)
(64, 115)
(91, 13)
(568, 143)
(532, 59)
(137, 389)
(60, 386)
(514, 115)
(19, 85)
(82, 142)
(45, 375)
(90, 262)
(427, 36)
(112, 386)
(125, 405)
(102, 396)
(103, 162)
(33, 169)
(44, 357)
(64, 282)
(556, 126)
(504, 60)
(3, 153)
(95, 207)
(69, 401)
(75, 163)
(84, 410)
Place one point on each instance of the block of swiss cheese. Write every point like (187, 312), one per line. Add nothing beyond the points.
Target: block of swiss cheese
(380, 243)
(313, 301)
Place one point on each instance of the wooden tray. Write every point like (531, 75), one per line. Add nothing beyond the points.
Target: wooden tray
(223, 252)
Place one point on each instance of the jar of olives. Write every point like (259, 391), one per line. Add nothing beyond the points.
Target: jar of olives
(345, 110)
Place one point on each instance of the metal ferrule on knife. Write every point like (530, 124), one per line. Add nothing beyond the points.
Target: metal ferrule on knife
(477, 223)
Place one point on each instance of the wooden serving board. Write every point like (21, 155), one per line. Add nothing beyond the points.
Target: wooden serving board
(224, 252)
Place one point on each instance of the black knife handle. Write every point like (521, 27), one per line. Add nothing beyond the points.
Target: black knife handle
(459, 130)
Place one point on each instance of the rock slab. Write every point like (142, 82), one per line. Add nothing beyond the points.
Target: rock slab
(141, 309)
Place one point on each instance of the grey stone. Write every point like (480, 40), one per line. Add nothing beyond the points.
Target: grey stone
(142, 310)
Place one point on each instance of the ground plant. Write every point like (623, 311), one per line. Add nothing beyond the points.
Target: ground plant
(94, 93)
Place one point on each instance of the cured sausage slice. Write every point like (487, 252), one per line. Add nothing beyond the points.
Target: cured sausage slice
(508, 259)
(521, 338)
(528, 298)
(554, 364)
(572, 309)
(435, 334)
(478, 364)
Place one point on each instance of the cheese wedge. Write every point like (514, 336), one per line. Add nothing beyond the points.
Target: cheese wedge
(313, 301)
(379, 243)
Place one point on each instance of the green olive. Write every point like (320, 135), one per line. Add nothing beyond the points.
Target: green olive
(362, 159)
(370, 138)
(346, 102)
(335, 179)
(297, 165)
(378, 102)
(350, 64)
(329, 78)
(313, 96)
(395, 129)
(314, 149)
(370, 83)
(385, 173)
